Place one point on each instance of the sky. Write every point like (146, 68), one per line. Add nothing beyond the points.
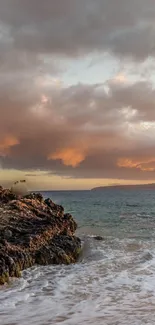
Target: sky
(77, 93)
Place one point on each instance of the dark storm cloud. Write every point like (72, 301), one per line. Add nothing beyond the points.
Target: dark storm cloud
(75, 27)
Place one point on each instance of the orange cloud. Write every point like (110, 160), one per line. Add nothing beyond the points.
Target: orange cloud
(69, 156)
(120, 78)
(143, 165)
(7, 142)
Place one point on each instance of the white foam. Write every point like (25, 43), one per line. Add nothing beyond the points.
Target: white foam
(113, 284)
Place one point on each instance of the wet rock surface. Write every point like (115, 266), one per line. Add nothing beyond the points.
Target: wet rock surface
(34, 231)
(99, 238)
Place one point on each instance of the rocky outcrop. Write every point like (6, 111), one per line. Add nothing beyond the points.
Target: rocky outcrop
(34, 231)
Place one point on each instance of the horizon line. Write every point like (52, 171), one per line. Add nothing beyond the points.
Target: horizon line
(97, 187)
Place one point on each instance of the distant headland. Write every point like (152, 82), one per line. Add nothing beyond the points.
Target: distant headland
(135, 186)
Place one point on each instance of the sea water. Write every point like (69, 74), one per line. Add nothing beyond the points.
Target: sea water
(113, 282)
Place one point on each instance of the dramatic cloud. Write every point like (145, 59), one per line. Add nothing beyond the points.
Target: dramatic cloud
(74, 27)
(96, 130)
(69, 156)
(89, 131)
(6, 143)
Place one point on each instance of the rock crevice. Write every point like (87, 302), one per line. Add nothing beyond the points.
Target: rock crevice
(34, 231)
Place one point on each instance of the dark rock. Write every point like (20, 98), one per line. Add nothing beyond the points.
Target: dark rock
(34, 196)
(7, 233)
(58, 208)
(98, 238)
(34, 231)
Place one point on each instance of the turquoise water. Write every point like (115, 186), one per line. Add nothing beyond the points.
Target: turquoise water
(111, 212)
(113, 282)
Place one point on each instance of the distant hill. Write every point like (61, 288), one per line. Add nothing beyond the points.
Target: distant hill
(139, 186)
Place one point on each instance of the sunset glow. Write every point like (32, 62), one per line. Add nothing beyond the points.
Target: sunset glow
(144, 165)
(77, 103)
(6, 143)
(70, 156)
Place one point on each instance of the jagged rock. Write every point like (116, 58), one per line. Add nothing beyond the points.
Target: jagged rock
(34, 231)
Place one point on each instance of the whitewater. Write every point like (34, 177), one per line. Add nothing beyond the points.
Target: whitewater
(113, 283)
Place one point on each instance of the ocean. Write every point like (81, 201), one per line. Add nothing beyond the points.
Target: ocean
(113, 282)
